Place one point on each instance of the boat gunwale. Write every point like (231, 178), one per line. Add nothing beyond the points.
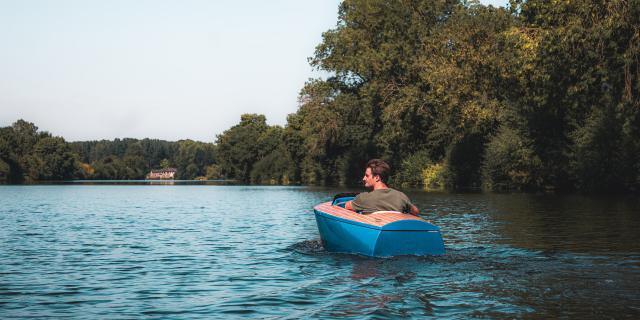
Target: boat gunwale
(381, 224)
(343, 220)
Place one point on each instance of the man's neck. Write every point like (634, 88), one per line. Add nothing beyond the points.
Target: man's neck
(380, 186)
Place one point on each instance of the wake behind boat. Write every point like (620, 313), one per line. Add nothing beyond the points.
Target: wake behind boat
(379, 234)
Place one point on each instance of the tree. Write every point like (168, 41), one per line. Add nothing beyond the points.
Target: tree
(164, 163)
(52, 159)
(193, 158)
(239, 147)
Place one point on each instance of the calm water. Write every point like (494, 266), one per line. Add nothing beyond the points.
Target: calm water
(106, 251)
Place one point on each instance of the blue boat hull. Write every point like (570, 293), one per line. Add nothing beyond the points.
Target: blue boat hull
(404, 237)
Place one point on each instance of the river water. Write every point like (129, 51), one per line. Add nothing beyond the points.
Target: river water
(212, 251)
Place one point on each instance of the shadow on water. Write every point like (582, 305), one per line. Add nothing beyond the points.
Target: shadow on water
(308, 247)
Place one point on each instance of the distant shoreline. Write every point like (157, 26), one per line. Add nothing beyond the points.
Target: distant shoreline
(129, 182)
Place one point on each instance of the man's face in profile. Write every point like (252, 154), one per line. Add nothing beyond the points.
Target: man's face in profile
(369, 179)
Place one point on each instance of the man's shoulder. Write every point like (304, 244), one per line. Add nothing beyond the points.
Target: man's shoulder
(363, 195)
(381, 193)
(397, 192)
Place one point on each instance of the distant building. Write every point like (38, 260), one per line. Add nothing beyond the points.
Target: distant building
(168, 173)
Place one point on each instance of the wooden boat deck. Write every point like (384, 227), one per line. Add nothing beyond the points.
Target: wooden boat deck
(377, 219)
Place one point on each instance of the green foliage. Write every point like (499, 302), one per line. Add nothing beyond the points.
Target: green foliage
(578, 70)
(411, 170)
(10, 167)
(511, 163)
(164, 163)
(330, 137)
(133, 158)
(434, 177)
(51, 159)
(152, 150)
(27, 154)
(543, 95)
(245, 144)
(109, 168)
(601, 160)
(213, 172)
(4, 170)
(274, 168)
(463, 162)
(409, 75)
(193, 158)
(190, 170)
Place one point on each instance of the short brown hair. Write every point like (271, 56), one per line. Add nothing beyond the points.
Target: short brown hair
(379, 168)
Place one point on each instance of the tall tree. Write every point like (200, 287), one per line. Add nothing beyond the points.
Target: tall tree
(239, 147)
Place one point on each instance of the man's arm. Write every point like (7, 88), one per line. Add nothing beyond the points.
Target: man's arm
(414, 210)
(348, 205)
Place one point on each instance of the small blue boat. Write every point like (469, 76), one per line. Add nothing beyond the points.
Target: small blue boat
(379, 234)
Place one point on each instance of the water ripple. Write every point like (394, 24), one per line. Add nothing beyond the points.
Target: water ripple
(193, 252)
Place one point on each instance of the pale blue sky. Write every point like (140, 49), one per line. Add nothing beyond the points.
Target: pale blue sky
(89, 69)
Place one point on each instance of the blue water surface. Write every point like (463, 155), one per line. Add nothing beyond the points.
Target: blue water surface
(215, 251)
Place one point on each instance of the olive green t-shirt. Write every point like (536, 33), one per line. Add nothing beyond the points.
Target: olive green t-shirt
(381, 200)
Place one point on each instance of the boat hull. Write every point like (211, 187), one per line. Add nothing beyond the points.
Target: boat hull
(378, 235)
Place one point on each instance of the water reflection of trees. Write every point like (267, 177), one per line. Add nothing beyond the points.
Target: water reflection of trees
(577, 223)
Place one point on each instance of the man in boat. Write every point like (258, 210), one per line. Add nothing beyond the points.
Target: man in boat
(381, 197)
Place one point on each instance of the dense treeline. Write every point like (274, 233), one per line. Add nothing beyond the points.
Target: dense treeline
(133, 158)
(543, 95)
(253, 151)
(29, 155)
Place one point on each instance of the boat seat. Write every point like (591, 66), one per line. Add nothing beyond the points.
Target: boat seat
(385, 211)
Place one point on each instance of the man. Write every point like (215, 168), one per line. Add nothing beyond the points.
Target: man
(381, 198)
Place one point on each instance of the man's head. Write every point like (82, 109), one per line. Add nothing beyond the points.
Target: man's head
(376, 173)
